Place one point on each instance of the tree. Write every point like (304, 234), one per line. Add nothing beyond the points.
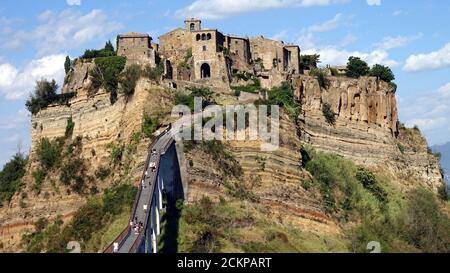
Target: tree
(310, 61)
(44, 93)
(382, 72)
(109, 46)
(128, 80)
(357, 67)
(67, 64)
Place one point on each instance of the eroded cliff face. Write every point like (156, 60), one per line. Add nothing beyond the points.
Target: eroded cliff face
(366, 128)
(99, 124)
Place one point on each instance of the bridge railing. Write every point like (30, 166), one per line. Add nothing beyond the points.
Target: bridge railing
(126, 232)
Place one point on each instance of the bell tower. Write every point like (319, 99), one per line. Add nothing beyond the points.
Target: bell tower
(193, 24)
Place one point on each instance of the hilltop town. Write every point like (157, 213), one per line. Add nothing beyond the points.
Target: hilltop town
(345, 164)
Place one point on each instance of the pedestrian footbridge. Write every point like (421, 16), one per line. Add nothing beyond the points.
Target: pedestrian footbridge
(161, 187)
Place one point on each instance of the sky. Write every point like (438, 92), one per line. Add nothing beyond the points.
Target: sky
(412, 37)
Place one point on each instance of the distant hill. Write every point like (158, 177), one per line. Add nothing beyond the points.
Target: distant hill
(445, 158)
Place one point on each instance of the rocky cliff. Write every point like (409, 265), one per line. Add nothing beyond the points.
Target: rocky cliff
(99, 124)
(366, 128)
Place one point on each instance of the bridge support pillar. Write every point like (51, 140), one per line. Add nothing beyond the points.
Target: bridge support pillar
(154, 250)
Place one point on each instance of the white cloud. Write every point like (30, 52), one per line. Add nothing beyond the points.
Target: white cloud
(63, 31)
(374, 2)
(335, 56)
(73, 2)
(429, 61)
(17, 84)
(218, 9)
(431, 113)
(280, 35)
(397, 42)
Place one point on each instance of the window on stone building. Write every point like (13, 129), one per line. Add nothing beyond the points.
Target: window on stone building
(192, 27)
(197, 37)
(204, 48)
(203, 36)
(208, 36)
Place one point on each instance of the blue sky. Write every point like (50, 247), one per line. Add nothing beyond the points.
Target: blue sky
(412, 37)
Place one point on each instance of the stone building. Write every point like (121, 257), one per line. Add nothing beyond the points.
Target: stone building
(275, 55)
(137, 47)
(198, 54)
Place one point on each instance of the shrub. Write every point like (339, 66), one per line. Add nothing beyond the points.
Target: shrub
(107, 51)
(328, 113)
(357, 67)
(106, 74)
(188, 100)
(39, 177)
(149, 124)
(11, 177)
(102, 173)
(73, 174)
(115, 199)
(369, 182)
(382, 72)
(253, 87)
(309, 61)
(154, 73)
(45, 94)
(116, 152)
(49, 152)
(69, 127)
(321, 77)
(283, 97)
(185, 63)
(423, 225)
(443, 192)
(67, 65)
(128, 80)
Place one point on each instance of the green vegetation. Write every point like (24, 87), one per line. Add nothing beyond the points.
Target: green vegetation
(69, 127)
(106, 74)
(102, 173)
(93, 218)
(188, 100)
(49, 152)
(73, 174)
(128, 80)
(357, 67)
(185, 64)
(370, 183)
(321, 77)
(11, 177)
(44, 95)
(155, 73)
(39, 176)
(150, 124)
(67, 64)
(309, 61)
(107, 51)
(116, 152)
(225, 160)
(283, 96)
(234, 227)
(253, 87)
(352, 193)
(328, 113)
(382, 72)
